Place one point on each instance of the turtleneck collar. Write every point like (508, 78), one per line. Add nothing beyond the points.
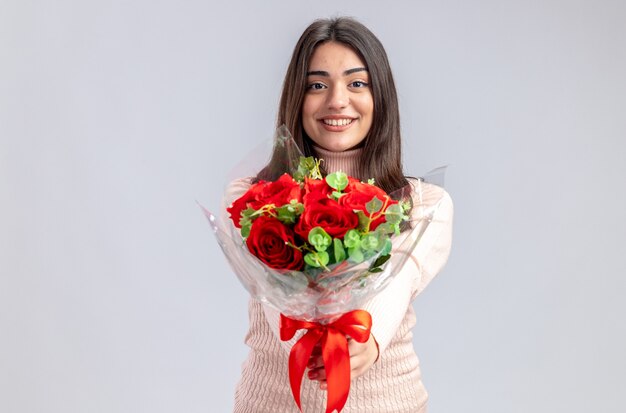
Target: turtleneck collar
(346, 161)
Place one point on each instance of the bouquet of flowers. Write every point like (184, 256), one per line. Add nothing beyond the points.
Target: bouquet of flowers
(316, 249)
(309, 224)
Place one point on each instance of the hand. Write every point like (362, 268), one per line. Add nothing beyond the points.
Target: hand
(362, 357)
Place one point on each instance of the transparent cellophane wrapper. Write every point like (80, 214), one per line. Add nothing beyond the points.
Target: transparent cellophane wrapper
(321, 295)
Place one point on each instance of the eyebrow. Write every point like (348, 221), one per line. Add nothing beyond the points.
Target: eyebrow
(345, 73)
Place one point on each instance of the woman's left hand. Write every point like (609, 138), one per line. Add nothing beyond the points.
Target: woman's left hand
(362, 357)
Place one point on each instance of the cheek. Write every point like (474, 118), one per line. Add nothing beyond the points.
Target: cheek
(368, 115)
(309, 108)
(366, 106)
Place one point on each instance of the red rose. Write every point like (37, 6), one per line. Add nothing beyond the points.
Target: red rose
(358, 194)
(248, 200)
(314, 187)
(281, 192)
(268, 242)
(321, 211)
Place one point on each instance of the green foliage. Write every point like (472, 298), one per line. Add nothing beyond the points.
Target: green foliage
(288, 213)
(378, 263)
(371, 241)
(394, 214)
(245, 230)
(406, 206)
(317, 259)
(355, 255)
(336, 195)
(352, 239)
(386, 250)
(374, 205)
(340, 252)
(320, 239)
(364, 221)
(246, 221)
(337, 180)
(386, 228)
(308, 167)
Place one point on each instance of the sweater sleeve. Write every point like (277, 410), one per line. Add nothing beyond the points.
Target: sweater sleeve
(389, 307)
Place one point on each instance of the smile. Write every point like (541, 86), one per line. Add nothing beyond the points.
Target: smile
(337, 122)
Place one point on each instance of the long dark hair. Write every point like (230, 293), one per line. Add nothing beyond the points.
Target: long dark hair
(381, 157)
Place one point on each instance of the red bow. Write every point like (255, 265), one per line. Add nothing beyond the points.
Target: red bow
(356, 324)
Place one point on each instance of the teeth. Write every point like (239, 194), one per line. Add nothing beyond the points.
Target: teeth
(337, 122)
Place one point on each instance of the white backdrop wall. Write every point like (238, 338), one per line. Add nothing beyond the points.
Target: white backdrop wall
(116, 116)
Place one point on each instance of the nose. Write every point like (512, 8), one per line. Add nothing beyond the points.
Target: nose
(338, 98)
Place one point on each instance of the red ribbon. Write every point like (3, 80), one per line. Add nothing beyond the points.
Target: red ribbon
(356, 324)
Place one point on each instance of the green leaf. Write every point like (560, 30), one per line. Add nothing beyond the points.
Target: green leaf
(317, 259)
(307, 163)
(245, 229)
(394, 214)
(386, 228)
(248, 212)
(406, 206)
(311, 260)
(374, 205)
(285, 215)
(381, 260)
(307, 167)
(336, 195)
(323, 257)
(298, 207)
(298, 175)
(355, 255)
(364, 220)
(352, 239)
(396, 228)
(340, 252)
(370, 242)
(319, 239)
(337, 180)
(386, 250)
(289, 212)
(371, 181)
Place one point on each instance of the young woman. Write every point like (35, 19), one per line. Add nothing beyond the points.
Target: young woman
(339, 101)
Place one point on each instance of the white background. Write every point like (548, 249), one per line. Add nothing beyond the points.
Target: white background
(116, 116)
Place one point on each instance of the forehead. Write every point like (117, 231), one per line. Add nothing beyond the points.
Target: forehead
(332, 55)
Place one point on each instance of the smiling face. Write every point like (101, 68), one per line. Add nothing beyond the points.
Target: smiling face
(338, 105)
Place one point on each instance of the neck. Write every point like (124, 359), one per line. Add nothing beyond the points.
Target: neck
(346, 161)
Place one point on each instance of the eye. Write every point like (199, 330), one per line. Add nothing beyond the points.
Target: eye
(358, 83)
(315, 86)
